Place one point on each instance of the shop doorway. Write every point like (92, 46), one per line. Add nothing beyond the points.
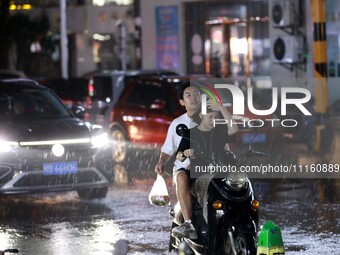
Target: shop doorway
(227, 48)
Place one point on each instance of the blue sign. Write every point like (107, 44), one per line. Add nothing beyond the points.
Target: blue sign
(167, 37)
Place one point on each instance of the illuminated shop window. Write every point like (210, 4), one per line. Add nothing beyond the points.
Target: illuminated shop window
(104, 2)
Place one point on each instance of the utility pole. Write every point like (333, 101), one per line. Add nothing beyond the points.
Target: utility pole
(320, 66)
(63, 40)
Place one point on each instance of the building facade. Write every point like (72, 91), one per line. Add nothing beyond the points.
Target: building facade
(239, 40)
(94, 36)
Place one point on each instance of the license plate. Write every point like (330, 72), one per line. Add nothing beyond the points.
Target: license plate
(60, 168)
(259, 138)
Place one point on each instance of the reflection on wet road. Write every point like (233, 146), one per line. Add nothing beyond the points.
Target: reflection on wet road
(306, 210)
(57, 225)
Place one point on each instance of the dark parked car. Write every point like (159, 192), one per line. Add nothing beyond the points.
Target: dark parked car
(11, 74)
(44, 147)
(72, 91)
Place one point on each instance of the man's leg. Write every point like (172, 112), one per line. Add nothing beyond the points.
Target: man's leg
(183, 193)
(184, 198)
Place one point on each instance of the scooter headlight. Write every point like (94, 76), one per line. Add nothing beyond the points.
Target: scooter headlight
(236, 181)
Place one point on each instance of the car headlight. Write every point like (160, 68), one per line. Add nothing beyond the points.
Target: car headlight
(7, 146)
(236, 181)
(100, 140)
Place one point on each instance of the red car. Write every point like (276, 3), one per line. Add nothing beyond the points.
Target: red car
(141, 110)
(137, 107)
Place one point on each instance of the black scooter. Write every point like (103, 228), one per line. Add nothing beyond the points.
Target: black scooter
(224, 212)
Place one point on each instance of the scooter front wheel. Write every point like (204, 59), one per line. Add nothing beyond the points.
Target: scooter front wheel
(184, 249)
(242, 244)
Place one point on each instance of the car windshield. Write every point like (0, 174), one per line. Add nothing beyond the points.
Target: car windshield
(30, 103)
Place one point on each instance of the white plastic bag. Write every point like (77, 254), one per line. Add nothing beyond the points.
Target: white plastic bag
(159, 193)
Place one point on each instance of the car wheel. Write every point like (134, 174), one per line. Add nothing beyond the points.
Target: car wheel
(119, 146)
(93, 193)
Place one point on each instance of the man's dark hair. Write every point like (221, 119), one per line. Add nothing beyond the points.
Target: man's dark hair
(184, 86)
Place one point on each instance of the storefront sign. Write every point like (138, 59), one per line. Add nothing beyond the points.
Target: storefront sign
(167, 37)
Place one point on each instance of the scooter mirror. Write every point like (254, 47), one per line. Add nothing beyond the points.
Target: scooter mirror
(182, 130)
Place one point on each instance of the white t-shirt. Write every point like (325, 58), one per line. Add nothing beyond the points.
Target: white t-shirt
(173, 140)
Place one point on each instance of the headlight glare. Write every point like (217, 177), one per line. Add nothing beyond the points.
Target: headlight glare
(58, 150)
(236, 181)
(7, 146)
(100, 140)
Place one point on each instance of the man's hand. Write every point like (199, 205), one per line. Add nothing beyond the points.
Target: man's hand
(180, 156)
(214, 106)
(232, 128)
(159, 168)
(163, 158)
(189, 153)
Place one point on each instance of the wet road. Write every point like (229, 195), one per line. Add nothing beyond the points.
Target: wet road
(306, 211)
(125, 223)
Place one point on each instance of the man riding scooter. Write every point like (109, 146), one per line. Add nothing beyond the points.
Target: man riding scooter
(191, 99)
(206, 139)
(224, 210)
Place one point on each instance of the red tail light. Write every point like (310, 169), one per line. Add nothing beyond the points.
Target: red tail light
(90, 88)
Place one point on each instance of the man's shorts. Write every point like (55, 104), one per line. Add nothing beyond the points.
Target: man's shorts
(175, 171)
